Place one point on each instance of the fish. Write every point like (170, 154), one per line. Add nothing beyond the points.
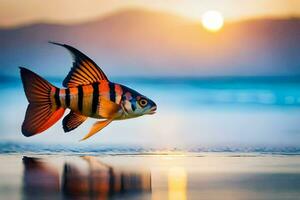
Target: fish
(87, 93)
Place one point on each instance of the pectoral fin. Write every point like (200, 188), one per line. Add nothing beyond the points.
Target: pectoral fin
(97, 126)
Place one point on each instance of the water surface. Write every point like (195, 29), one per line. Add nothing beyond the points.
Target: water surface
(180, 176)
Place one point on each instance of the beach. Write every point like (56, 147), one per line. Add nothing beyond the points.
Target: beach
(155, 176)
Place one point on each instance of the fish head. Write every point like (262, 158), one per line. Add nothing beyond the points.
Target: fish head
(136, 104)
(144, 106)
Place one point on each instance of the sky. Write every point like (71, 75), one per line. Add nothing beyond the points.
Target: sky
(20, 12)
(123, 29)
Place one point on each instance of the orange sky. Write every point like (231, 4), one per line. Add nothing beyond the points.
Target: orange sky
(18, 12)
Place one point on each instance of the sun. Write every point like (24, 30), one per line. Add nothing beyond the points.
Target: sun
(212, 20)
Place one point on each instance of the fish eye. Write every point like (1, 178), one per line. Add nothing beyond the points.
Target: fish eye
(143, 102)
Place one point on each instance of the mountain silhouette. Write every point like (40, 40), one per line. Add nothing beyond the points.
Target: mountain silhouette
(152, 43)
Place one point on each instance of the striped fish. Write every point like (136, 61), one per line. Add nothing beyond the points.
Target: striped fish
(87, 93)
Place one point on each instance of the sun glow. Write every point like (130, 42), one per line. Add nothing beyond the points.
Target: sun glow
(212, 20)
(177, 183)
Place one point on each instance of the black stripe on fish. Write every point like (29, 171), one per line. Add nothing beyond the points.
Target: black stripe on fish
(56, 97)
(133, 106)
(123, 98)
(67, 98)
(112, 92)
(95, 97)
(80, 97)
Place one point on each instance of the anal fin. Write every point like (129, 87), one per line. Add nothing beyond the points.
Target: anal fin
(97, 126)
(72, 121)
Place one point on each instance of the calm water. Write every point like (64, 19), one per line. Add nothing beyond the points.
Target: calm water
(173, 177)
(217, 138)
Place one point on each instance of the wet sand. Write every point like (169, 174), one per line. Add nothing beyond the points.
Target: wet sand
(191, 176)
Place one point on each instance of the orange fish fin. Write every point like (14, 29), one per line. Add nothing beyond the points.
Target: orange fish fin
(72, 121)
(39, 118)
(107, 109)
(35, 87)
(97, 126)
(40, 113)
(84, 71)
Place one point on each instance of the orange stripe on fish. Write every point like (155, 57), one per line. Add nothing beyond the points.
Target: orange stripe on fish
(62, 96)
(104, 90)
(87, 99)
(104, 87)
(118, 92)
(74, 99)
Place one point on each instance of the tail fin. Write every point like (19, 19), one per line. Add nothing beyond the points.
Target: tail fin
(40, 114)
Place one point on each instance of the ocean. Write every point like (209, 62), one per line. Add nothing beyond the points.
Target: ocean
(211, 138)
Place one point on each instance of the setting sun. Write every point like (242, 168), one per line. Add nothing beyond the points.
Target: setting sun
(212, 20)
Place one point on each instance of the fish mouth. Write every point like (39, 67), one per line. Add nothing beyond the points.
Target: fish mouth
(152, 110)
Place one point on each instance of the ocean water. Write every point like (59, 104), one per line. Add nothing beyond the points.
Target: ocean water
(239, 114)
(173, 177)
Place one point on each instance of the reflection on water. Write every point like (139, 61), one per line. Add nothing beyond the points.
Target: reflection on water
(212, 176)
(40, 179)
(177, 183)
(97, 181)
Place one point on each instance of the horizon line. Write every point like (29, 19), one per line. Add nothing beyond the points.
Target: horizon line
(172, 77)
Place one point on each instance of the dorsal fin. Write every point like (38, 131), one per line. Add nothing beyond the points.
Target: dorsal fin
(84, 71)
